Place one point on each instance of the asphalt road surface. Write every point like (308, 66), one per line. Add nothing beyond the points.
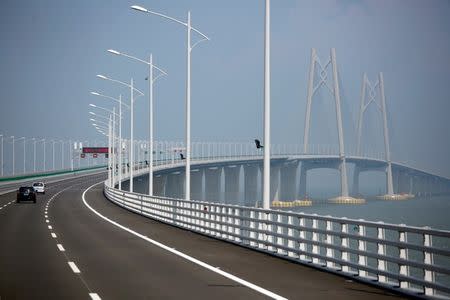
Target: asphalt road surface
(59, 248)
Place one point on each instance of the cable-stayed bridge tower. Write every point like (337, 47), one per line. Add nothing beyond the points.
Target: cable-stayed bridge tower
(321, 69)
(373, 94)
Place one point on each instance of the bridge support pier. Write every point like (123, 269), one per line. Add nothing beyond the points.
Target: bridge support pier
(355, 186)
(159, 184)
(175, 185)
(251, 184)
(232, 179)
(289, 181)
(275, 179)
(403, 183)
(213, 184)
(197, 184)
(303, 180)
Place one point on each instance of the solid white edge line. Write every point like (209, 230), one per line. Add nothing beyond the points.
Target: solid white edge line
(185, 256)
(74, 267)
(60, 247)
(95, 296)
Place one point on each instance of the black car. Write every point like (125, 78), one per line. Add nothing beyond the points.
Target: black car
(26, 193)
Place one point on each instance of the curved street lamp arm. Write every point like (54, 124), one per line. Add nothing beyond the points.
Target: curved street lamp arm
(105, 109)
(121, 82)
(159, 76)
(198, 42)
(137, 59)
(112, 98)
(142, 9)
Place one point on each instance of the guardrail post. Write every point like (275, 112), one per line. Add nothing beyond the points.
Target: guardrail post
(230, 222)
(252, 233)
(345, 244)
(429, 276)
(290, 232)
(362, 246)
(269, 233)
(302, 235)
(281, 241)
(213, 218)
(404, 269)
(262, 235)
(224, 219)
(330, 241)
(237, 224)
(174, 211)
(315, 238)
(381, 250)
(207, 211)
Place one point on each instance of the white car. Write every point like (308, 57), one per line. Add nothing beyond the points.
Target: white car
(39, 187)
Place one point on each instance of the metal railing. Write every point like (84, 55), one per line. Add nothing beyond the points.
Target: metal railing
(412, 260)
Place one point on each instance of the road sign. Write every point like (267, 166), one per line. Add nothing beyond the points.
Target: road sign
(95, 149)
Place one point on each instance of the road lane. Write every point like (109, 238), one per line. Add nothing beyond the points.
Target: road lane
(31, 266)
(119, 266)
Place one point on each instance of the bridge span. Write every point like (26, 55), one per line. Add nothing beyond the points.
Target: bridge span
(224, 178)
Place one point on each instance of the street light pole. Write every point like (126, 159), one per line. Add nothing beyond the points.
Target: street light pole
(120, 131)
(266, 181)
(13, 154)
(132, 89)
(150, 169)
(34, 155)
(71, 148)
(151, 80)
(109, 151)
(53, 154)
(188, 87)
(113, 152)
(24, 155)
(43, 143)
(132, 137)
(120, 142)
(188, 111)
(62, 155)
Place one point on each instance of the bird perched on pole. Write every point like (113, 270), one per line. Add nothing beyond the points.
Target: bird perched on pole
(258, 144)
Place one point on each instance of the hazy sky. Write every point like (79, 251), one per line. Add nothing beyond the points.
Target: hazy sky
(51, 51)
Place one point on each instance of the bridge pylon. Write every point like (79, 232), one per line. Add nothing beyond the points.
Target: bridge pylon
(321, 69)
(373, 93)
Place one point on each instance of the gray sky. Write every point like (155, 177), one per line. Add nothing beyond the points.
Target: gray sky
(51, 51)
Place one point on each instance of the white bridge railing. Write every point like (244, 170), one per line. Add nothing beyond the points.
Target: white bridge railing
(412, 260)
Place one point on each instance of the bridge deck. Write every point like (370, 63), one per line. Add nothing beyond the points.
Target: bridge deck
(117, 265)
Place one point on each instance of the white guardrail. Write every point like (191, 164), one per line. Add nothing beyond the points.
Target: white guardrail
(412, 260)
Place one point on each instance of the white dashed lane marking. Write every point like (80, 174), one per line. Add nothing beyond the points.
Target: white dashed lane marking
(94, 296)
(6, 204)
(53, 235)
(60, 247)
(74, 267)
